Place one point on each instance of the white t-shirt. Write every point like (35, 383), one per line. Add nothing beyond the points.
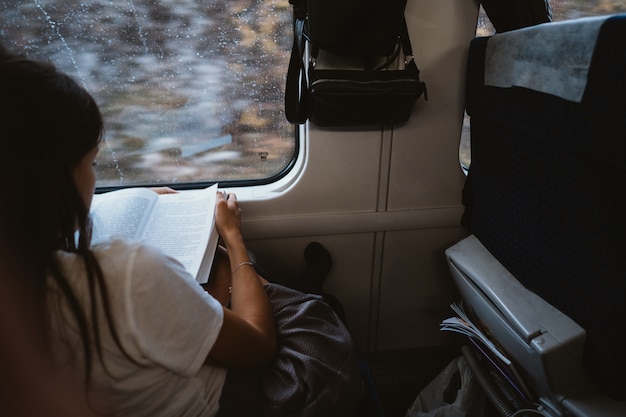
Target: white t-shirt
(166, 322)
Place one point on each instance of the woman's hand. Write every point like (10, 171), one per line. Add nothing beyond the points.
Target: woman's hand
(228, 217)
(163, 190)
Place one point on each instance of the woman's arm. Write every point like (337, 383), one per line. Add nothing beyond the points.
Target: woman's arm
(247, 337)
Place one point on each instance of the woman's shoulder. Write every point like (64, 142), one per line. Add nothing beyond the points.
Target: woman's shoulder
(128, 266)
(119, 258)
(124, 248)
(132, 254)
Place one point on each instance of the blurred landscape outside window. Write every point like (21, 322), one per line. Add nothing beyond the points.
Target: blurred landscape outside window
(191, 90)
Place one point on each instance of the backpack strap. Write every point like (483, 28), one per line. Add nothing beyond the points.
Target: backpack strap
(409, 59)
(297, 87)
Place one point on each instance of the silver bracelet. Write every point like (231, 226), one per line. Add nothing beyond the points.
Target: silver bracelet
(240, 265)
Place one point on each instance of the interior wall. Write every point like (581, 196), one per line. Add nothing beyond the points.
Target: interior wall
(385, 203)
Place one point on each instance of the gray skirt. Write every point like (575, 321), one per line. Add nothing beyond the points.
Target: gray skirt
(315, 371)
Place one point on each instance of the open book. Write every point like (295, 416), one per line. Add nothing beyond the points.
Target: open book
(182, 225)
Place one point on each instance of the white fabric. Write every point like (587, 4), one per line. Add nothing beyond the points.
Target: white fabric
(167, 323)
(553, 58)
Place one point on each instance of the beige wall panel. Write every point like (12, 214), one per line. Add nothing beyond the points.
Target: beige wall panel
(416, 289)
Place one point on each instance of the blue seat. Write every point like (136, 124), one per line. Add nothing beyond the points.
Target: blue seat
(546, 190)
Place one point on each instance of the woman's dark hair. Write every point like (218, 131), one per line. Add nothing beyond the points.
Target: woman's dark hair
(48, 123)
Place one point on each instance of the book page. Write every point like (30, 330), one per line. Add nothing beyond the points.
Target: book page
(120, 213)
(462, 324)
(488, 349)
(182, 225)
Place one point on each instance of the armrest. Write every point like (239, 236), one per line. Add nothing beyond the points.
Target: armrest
(527, 313)
(545, 345)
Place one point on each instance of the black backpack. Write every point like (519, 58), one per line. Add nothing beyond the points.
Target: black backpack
(365, 37)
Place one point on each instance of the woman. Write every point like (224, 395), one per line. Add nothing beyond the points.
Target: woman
(131, 322)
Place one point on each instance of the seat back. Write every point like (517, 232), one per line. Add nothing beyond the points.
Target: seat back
(547, 181)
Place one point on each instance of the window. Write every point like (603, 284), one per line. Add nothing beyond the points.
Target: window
(191, 90)
(561, 10)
